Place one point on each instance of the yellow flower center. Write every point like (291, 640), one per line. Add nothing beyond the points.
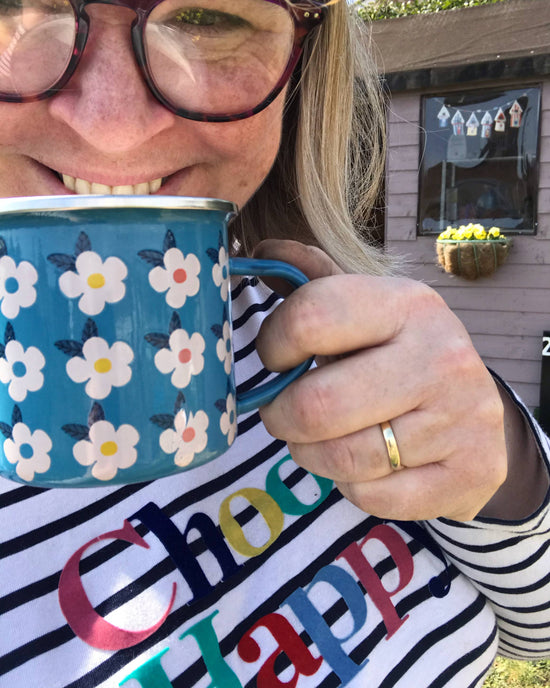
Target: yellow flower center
(102, 365)
(108, 448)
(96, 280)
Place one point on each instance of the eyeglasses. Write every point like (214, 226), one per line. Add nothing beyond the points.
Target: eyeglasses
(207, 60)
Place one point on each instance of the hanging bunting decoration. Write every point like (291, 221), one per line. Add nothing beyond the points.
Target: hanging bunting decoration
(472, 125)
(443, 116)
(500, 120)
(458, 123)
(486, 125)
(515, 115)
(474, 121)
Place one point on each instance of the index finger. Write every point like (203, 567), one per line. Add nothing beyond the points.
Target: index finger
(332, 316)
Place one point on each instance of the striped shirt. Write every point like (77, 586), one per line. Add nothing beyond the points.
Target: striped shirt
(249, 571)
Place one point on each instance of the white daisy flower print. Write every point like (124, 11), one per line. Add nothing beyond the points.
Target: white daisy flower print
(179, 277)
(108, 449)
(28, 450)
(21, 368)
(183, 358)
(188, 437)
(16, 286)
(220, 273)
(102, 366)
(95, 281)
(228, 421)
(223, 348)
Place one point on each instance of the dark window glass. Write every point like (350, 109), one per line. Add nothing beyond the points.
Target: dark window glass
(479, 160)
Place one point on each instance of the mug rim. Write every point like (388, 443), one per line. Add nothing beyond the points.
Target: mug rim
(100, 202)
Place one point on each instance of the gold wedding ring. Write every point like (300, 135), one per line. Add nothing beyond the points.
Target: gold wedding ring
(391, 445)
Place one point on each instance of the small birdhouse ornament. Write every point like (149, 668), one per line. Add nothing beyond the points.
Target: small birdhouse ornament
(443, 116)
(458, 123)
(500, 120)
(515, 115)
(472, 125)
(486, 124)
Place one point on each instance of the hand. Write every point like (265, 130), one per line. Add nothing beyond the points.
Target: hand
(388, 349)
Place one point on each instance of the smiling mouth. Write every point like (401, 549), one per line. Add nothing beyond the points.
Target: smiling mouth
(84, 187)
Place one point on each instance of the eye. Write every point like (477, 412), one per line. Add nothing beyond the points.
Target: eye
(43, 6)
(10, 6)
(203, 17)
(57, 5)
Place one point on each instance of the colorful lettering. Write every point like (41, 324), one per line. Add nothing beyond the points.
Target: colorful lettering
(151, 674)
(221, 674)
(402, 557)
(266, 506)
(290, 644)
(284, 496)
(178, 548)
(439, 585)
(318, 629)
(80, 614)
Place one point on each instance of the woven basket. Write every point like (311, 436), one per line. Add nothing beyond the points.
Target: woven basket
(472, 259)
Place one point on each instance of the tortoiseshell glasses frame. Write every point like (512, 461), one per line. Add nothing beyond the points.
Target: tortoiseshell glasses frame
(305, 17)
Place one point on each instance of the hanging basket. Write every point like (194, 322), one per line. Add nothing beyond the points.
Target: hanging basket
(472, 259)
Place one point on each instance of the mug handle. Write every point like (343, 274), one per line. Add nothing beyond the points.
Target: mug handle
(263, 394)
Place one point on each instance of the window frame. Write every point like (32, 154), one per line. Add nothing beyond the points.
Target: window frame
(492, 91)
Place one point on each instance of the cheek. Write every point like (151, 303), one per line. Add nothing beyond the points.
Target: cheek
(10, 134)
(255, 162)
(11, 115)
(244, 153)
(22, 127)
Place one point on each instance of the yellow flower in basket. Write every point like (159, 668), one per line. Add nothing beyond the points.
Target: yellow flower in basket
(470, 232)
(480, 233)
(471, 251)
(466, 232)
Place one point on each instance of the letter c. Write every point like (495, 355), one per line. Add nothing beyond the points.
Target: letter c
(86, 623)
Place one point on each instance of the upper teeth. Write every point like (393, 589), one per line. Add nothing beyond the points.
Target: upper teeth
(81, 186)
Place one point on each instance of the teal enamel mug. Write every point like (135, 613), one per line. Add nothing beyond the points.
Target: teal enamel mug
(116, 358)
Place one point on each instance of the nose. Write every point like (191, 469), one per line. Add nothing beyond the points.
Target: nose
(107, 102)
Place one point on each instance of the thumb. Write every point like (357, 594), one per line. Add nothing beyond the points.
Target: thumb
(311, 260)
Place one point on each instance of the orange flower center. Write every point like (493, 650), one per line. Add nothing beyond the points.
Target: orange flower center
(184, 356)
(188, 435)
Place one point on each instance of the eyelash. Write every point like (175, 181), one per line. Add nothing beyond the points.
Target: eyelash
(214, 20)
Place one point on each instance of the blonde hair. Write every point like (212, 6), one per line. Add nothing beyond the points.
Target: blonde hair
(328, 175)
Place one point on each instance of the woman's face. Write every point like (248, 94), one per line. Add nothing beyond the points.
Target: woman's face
(106, 129)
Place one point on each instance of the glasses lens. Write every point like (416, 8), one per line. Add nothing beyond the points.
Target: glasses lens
(36, 43)
(218, 56)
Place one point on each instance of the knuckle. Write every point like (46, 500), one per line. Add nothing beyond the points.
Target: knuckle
(312, 253)
(343, 460)
(459, 356)
(422, 299)
(459, 364)
(310, 404)
(302, 319)
(268, 422)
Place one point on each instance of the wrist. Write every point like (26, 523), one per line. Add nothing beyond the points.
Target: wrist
(527, 481)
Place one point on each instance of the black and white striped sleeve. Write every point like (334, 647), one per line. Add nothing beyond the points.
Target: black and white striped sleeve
(509, 562)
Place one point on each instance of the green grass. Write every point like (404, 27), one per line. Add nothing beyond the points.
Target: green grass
(511, 674)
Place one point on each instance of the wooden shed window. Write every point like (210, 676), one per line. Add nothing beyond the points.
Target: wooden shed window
(478, 160)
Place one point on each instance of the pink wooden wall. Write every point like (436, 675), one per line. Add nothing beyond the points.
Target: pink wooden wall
(505, 314)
